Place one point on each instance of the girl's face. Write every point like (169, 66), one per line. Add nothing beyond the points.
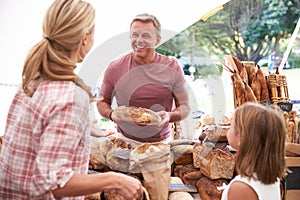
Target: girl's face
(233, 137)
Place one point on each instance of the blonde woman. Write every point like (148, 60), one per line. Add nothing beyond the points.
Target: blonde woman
(45, 151)
(258, 134)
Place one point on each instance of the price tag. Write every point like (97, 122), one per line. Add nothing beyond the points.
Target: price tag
(182, 188)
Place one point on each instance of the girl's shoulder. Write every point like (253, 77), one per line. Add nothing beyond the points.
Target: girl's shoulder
(239, 187)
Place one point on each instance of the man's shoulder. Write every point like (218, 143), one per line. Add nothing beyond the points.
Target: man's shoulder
(169, 61)
(121, 60)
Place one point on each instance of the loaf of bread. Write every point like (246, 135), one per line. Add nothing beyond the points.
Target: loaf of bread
(207, 119)
(201, 151)
(180, 196)
(175, 180)
(208, 188)
(117, 158)
(95, 196)
(113, 195)
(192, 177)
(99, 149)
(218, 164)
(219, 134)
(183, 154)
(95, 164)
(177, 171)
(181, 170)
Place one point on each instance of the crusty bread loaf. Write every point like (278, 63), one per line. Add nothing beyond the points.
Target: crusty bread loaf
(251, 71)
(95, 164)
(200, 152)
(95, 196)
(113, 195)
(183, 154)
(208, 188)
(177, 171)
(218, 164)
(181, 170)
(192, 177)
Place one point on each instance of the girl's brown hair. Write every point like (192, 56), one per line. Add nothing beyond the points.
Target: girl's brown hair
(262, 133)
(65, 24)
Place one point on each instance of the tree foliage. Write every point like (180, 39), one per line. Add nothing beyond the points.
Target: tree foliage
(248, 29)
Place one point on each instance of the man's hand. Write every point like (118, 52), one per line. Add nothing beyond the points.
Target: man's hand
(165, 118)
(115, 118)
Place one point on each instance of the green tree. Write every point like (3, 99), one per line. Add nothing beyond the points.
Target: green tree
(173, 47)
(248, 29)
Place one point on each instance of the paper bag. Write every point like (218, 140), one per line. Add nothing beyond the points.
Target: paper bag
(154, 161)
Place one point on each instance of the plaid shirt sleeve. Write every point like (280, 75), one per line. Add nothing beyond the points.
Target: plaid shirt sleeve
(46, 141)
(63, 148)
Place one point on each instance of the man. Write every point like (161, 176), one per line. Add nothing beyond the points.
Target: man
(145, 78)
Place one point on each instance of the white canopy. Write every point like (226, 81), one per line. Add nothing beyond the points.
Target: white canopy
(21, 28)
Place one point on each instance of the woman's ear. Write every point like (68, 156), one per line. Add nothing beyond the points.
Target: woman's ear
(84, 40)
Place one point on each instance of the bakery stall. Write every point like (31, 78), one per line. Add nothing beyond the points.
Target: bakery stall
(199, 168)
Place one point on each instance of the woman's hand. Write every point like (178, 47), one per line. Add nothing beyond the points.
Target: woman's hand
(129, 187)
(96, 132)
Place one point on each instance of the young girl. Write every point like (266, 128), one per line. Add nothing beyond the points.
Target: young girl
(258, 133)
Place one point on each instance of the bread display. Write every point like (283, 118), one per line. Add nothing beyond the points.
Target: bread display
(258, 87)
(206, 163)
(218, 164)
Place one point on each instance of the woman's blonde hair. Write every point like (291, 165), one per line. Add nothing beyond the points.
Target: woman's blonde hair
(262, 133)
(65, 25)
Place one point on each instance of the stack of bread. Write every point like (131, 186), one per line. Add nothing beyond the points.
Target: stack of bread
(250, 83)
(207, 164)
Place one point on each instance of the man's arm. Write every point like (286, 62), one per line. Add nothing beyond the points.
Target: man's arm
(180, 112)
(182, 108)
(104, 108)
